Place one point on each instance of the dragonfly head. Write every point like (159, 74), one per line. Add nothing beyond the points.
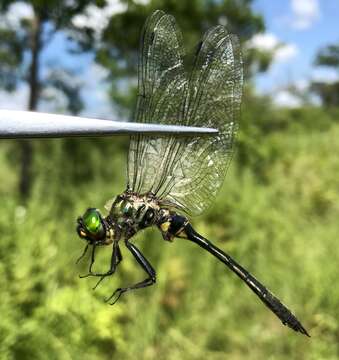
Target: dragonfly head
(91, 226)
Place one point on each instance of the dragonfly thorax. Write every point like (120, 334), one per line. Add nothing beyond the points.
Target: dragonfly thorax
(131, 212)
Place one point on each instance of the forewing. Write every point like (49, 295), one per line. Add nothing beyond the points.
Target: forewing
(161, 88)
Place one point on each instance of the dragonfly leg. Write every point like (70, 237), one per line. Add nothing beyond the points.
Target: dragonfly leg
(83, 253)
(91, 263)
(147, 267)
(178, 226)
(115, 260)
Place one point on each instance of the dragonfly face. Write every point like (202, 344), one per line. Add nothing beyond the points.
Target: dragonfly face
(128, 214)
(91, 226)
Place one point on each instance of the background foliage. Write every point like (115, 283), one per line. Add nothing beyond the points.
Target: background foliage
(277, 214)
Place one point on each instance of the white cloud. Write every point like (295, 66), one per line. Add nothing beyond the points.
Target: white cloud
(286, 52)
(265, 42)
(284, 98)
(15, 100)
(16, 12)
(301, 84)
(53, 101)
(141, 2)
(305, 13)
(324, 75)
(270, 43)
(97, 18)
(96, 94)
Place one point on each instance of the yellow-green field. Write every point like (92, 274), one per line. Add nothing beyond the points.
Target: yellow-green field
(277, 214)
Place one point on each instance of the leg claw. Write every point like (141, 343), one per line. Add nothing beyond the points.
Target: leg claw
(85, 276)
(117, 293)
(98, 282)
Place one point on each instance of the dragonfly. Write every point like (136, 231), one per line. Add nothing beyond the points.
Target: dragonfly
(172, 178)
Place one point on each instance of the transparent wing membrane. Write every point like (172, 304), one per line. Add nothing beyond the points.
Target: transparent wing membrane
(185, 172)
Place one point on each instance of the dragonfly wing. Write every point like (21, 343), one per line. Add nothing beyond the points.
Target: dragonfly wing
(213, 99)
(161, 88)
(185, 172)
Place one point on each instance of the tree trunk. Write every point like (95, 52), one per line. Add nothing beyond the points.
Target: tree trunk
(26, 148)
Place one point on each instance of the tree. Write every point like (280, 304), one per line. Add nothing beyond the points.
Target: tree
(328, 91)
(21, 44)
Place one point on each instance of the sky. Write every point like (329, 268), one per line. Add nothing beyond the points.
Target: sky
(295, 30)
(303, 26)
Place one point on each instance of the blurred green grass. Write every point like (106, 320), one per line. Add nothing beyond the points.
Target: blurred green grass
(277, 214)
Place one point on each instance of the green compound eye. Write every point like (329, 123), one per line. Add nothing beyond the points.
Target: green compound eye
(92, 221)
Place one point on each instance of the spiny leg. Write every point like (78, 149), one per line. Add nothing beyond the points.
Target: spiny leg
(83, 254)
(178, 226)
(147, 267)
(116, 258)
(91, 263)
